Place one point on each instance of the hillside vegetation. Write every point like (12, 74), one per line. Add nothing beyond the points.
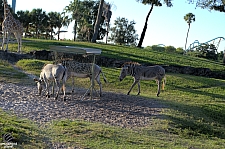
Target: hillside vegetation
(124, 52)
(193, 117)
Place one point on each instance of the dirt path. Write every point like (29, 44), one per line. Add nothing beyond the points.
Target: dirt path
(114, 109)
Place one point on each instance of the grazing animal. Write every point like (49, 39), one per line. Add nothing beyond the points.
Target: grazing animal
(11, 25)
(83, 70)
(139, 72)
(49, 73)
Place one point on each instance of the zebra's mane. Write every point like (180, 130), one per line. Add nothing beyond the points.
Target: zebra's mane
(131, 63)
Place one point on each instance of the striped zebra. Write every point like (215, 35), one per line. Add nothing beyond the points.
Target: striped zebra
(55, 73)
(139, 72)
(83, 70)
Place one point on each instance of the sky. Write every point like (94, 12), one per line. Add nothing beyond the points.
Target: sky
(165, 25)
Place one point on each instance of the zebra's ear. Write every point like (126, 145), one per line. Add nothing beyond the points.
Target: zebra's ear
(35, 80)
(125, 67)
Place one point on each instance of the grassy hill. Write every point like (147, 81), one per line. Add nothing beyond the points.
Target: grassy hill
(194, 116)
(124, 52)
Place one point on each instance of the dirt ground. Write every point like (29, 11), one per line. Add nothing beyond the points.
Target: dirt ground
(113, 109)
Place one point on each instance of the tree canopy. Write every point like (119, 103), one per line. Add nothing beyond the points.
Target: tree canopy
(123, 32)
(217, 5)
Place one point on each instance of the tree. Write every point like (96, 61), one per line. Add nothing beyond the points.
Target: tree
(39, 19)
(25, 18)
(123, 32)
(75, 8)
(152, 3)
(107, 13)
(61, 20)
(208, 51)
(97, 23)
(52, 22)
(217, 5)
(171, 49)
(189, 18)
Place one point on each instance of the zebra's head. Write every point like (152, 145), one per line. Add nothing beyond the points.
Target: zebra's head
(39, 85)
(123, 72)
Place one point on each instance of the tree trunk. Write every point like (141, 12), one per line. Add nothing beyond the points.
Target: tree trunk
(97, 23)
(75, 30)
(145, 27)
(58, 33)
(107, 33)
(187, 36)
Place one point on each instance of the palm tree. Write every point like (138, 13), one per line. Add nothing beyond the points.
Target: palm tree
(107, 13)
(97, 23)
(52, 21)
(25, 18)
(61, 21)
(75, 9)
(189, 18)
(152, 3)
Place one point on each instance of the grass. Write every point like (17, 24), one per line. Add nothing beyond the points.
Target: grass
(26, 134)
(9, 75)
(193, 117)
(124, 52)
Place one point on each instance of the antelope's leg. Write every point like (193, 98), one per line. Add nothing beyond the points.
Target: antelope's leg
(135, 82)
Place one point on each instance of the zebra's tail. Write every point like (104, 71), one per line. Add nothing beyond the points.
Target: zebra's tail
(103, 76)
(164, 83)
(105, 80)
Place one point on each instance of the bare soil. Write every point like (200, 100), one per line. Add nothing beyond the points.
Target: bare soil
(113, 109)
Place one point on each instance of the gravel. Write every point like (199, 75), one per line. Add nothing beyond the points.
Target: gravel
(113, 109)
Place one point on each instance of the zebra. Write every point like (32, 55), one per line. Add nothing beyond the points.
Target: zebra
(83, 70)
(139, 72)
(52, 72)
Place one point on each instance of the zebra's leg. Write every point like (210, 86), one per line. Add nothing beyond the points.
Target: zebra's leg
(135, 82)
(63, 87)
(139, 88)
(53, 88)
(58, 88)
(47, 89)
(73, 85)
(159, 86)
(100, 85)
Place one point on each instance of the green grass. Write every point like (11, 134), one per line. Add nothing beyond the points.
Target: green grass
(10, 75)
(25, 133)
(193, 117)
(125, 52)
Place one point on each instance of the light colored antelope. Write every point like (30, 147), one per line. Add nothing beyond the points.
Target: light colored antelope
(139, 72)
(55, 73)
(83, 70)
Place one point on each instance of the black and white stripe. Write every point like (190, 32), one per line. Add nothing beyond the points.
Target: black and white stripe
(139, 72)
